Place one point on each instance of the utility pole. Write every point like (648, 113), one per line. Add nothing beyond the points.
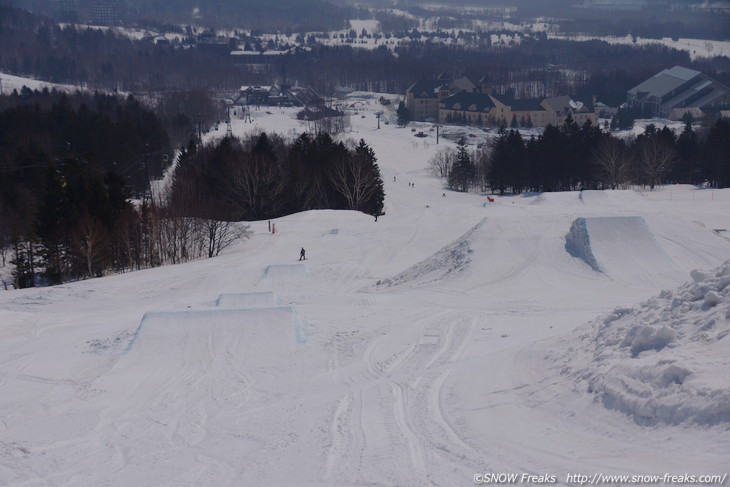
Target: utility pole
(229, 129)
(147, 171)
(200, 133)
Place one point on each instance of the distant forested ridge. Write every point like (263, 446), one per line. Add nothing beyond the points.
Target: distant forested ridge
(264, 15)
(537, 66)
(37, 47)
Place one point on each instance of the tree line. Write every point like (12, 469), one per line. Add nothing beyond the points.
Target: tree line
(36, 46)
(265, 176)
(70, 165)
(78, 179)
(571, 157)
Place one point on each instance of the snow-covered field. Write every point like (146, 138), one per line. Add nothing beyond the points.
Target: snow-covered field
(8, 83)
(452, 337)
(697, 48)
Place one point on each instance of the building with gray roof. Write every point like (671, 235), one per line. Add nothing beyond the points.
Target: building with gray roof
(473, 108)
(665, 93)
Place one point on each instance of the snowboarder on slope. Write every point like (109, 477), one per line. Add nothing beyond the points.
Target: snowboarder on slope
(301, 255)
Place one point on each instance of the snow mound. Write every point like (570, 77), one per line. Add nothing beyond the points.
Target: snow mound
(446, 263)
(285, 272)
(624, 248)
(244, 300)
(666, 360)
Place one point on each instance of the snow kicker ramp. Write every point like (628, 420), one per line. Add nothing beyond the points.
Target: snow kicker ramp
(623, 248)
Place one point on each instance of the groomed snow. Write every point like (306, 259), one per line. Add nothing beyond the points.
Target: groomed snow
(463, 360)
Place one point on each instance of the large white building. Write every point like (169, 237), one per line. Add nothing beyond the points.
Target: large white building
(674, 92)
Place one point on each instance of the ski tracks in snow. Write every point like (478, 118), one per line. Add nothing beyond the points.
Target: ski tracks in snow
(400, 400)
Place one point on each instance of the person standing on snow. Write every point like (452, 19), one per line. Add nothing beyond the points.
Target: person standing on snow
(301, 255)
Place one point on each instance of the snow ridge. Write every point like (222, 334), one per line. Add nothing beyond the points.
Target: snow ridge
(445, 263)
(666, 360)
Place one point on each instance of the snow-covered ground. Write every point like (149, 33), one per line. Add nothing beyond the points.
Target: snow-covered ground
(8, 83)
(697, 48)
(440, 342)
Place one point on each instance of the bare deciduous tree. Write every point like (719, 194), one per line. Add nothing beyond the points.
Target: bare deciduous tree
(656, 157)
(91, 240)
(613, 162)
(333, 125)
(482, 160)
(353, 178)
(254, 183)
(220, 234)
(442, 162)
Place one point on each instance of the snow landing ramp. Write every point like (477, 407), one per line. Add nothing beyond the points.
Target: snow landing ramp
(624, 248)
(247, 300)
(257, 336)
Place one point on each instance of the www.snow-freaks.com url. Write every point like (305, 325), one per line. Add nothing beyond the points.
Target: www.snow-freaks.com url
(599, 479)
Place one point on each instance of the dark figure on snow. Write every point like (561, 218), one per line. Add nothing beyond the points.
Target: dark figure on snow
(301, 255)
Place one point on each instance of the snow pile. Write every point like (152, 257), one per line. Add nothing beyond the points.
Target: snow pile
(666, 360)
(447, 262)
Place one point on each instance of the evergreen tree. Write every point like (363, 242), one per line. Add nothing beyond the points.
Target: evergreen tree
(402, 114)
(499, 163)
(373, 191)
(463, 171)
(687, 169)
(717, 161)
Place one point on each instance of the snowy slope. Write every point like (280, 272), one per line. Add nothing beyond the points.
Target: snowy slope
(327, 378)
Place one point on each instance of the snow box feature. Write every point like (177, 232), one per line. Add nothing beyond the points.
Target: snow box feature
(622, 247)
(259, 331)
(247, 300)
